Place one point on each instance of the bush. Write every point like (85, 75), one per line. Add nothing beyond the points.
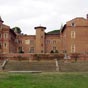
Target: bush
(21, 51)
(52, 51)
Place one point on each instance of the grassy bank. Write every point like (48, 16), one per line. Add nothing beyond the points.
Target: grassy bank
(44, 80)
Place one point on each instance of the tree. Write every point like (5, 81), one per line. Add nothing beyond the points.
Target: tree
(51, 51)
(54, 51)
(16, 29)
(21, 51)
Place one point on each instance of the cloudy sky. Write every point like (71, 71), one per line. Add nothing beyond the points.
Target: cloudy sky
(27, 14)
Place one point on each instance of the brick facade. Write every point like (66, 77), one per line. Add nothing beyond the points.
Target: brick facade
(7, 39)
(72, 38)
(75, 36)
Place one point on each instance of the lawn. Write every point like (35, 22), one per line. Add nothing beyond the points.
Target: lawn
(43, 80)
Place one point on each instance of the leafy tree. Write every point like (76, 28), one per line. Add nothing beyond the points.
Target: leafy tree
(54, 32)
(21, 51)
(51, 51)
(16, 29)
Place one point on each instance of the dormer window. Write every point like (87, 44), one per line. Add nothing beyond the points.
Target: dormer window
(73, 24)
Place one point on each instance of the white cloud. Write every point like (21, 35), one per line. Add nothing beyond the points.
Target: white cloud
(50, 13)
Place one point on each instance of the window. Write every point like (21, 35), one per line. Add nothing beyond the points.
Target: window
(54, 41)
(42, 45)
(5, 35)
(73, 24)
(41, 51)
(73, 48)
(31, 50)
(20, 49)
(16, 40)
(31, 42)
(48, 41)
(20, 41)
(5, 45)
(41, 36)
(54, 48)
(27, 42)
(42, 30)
(72, 34)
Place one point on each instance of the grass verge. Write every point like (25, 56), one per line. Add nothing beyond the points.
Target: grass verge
(43, 80)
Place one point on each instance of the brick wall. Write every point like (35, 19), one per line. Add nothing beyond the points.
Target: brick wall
(77, 41)
(27, 56)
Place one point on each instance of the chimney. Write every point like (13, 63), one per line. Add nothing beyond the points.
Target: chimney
(87, 16)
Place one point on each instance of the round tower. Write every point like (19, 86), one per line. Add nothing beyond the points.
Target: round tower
(40, 39)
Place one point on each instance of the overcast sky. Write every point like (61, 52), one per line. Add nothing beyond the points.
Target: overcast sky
(27, 14)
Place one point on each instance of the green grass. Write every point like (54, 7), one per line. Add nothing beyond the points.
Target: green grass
(44, 80)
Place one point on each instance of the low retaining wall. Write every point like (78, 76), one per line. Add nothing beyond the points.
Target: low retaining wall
(15, 56)
(28, 56)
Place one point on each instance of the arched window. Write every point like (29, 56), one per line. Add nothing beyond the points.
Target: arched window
(73, 34)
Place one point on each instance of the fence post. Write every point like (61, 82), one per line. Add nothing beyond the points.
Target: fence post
(57, 65)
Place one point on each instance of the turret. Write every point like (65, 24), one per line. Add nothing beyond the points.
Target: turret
(40, 39)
